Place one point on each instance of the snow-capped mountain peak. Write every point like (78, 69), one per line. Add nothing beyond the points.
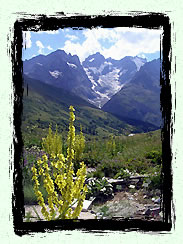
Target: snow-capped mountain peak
(108, 76)
(139, 62)
(97, 78)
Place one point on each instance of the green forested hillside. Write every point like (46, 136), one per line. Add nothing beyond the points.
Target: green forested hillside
(44, 104)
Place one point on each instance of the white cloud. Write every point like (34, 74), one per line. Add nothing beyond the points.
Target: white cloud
(102, 33)
(83, 50)
(49, 48)
(90, 46)
(40, 45)
(123, 42)
(27, 43)
(142, 56)
(123, 47)
(71, 37)
(65, 29)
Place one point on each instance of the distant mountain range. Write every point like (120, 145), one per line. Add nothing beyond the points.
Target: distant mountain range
(128, 88)
(140, 98)
(96, 80)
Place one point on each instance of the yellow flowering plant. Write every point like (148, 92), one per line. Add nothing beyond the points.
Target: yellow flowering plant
(111, 146)
(52, 143)
(79, 148)
(63, 190)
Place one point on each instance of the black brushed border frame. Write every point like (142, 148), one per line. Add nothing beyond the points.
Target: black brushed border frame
(133, 19)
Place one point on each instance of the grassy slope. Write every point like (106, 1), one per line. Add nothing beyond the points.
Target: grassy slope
(140, 144)
(130, 155)
(129, 147)
(46, 104)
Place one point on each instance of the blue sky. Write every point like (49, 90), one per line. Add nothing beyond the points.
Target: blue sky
(110, 42)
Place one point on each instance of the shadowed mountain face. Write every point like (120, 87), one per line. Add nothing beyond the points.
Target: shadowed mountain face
(96, 80)
(45, 104)
(60, 70)
(140, 98)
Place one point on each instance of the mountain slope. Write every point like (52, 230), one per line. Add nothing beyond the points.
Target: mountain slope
(140, 98)
(45, 104)
(96, 80)
(128, 88)
(60, 70)
(58, 95)
(108, 76)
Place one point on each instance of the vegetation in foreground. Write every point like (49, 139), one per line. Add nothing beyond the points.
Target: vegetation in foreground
(115, 157)
(55, 173)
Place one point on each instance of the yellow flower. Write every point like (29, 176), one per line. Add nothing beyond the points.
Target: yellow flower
(34, 170)
(41, 171)
(45, 158)
(61, 157)
(39, 162)
(53, 156)
(71, 108)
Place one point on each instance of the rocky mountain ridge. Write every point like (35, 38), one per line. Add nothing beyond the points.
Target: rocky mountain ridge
(128, 88)
(96, 80)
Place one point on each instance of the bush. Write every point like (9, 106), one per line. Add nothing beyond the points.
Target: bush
(30, 156)
(99, 188)
(154, 156)
(156, 182)
(98, 173)
(104, 211)
(89, 161)
(110, 167)
(122, 174)
(137, 166)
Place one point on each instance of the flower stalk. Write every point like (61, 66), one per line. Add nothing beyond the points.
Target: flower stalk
(63, 191)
